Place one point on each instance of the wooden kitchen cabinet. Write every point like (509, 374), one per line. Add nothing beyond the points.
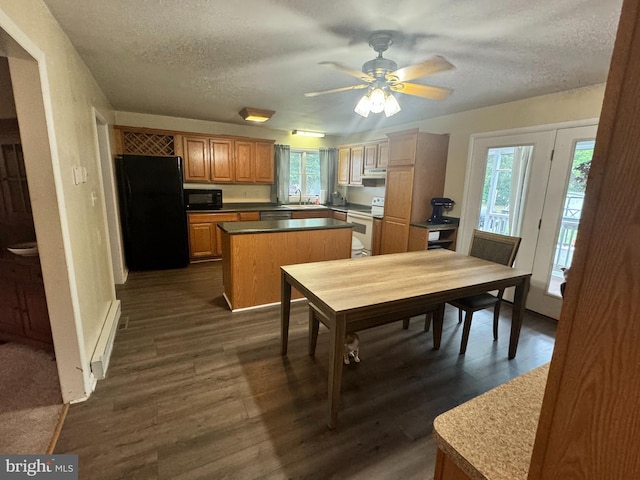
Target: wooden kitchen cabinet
(355, 159)
(264, 162)
(249, 216)
(344, 164)
(382, 159)
(340, 215)
(244, 161)
(204, 236)
(220, 159)
(417, 163)
(24, 316)
(370, 156)
(207, 159)
(195, 153)
(376, 155)
(355, 167)
(350, 161)
(222, 164)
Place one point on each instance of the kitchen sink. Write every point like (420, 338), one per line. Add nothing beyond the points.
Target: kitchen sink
(304, 207)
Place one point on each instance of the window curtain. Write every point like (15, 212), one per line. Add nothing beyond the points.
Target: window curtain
(328, 168)
(280, 188)
(519, 179)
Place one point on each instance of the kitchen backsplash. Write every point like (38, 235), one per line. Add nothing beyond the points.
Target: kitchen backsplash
(238, 193)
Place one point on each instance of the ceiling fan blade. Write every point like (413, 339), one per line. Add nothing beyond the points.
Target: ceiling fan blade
(350, 71)
(335, 90)
(434, 93)
(435, 64)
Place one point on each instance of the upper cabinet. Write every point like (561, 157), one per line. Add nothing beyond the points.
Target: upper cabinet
(354, 160)
(264, 164)
(207, 158)
(197, 150)
(231, 160)
(355, 171)
(376, 155)
(245, 152)
(221, 168)
(344, 164)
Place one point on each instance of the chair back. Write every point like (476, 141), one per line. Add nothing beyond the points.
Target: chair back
(494, 247)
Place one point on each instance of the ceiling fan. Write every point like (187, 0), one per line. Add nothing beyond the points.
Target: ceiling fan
(382, 76)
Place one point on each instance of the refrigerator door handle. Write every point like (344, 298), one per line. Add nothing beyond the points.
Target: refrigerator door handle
(128, 185)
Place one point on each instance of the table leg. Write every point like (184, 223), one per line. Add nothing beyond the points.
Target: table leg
(314, 325)
(438, 320)
(285, 309)
(336, 351)
(519, 301)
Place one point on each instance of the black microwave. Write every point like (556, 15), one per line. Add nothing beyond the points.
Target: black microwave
(202, 199)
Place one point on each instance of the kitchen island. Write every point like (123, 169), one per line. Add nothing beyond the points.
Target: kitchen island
(491, 436)
(253, 252)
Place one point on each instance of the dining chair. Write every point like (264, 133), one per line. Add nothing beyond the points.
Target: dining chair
(495, 248)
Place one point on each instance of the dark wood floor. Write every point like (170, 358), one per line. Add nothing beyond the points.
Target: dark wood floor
(194, 391)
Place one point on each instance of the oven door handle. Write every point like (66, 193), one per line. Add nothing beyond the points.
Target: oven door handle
(358, 215)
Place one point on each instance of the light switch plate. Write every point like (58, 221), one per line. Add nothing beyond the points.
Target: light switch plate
(77, 175)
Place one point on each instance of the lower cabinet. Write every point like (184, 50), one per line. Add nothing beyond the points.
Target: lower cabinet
(205, 242)
(446, 469)
(24, 317)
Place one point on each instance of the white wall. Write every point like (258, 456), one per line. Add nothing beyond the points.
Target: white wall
(54, 98)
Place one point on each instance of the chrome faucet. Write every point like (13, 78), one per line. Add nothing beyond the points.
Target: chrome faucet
(300, 197)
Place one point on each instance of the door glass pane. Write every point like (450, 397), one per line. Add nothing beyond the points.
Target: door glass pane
(572, 209)
(504, 189)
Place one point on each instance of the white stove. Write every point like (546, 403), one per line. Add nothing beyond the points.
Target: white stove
(377, 206)
(363, 223)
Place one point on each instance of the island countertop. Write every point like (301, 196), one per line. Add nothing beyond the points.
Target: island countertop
(271, 226)
(491, 436)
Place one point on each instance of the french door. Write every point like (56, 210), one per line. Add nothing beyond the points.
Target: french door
(531, 185)
(560, 217)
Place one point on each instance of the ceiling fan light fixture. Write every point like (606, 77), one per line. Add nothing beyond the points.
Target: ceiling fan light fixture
(391, 105)
(377, 99)
(305, 133)
(363, 107)
(255, 114)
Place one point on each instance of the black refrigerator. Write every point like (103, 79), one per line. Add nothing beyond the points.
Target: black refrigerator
(152, 212)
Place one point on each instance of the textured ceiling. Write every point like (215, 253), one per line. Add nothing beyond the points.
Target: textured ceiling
(207, 59)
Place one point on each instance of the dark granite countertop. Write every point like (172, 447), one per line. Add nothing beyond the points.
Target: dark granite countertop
(449, 222)
(271, 226)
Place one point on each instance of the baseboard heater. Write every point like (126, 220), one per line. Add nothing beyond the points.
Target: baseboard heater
(102, 352)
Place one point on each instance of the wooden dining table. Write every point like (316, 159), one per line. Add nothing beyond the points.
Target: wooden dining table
(357, 293)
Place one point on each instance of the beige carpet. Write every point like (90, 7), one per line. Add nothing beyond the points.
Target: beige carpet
(31, 409)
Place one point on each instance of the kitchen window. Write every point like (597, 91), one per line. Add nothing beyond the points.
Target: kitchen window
(304, 175)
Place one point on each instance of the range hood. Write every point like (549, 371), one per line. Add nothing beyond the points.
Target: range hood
(375, 174)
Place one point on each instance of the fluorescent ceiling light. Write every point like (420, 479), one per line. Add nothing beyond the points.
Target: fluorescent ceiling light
(255, 114)
(304, 133)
